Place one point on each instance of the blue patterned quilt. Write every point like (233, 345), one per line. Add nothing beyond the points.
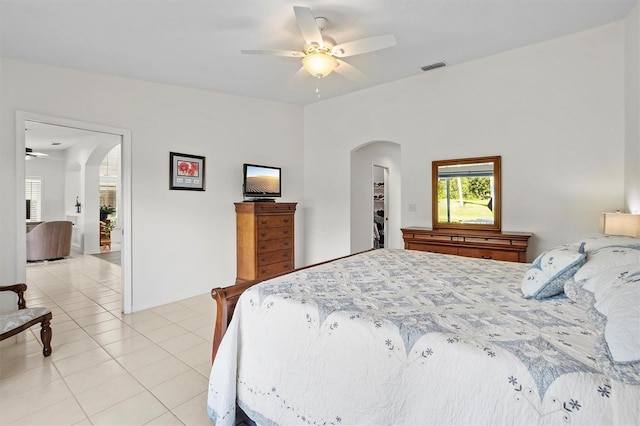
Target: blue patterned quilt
(407, 337)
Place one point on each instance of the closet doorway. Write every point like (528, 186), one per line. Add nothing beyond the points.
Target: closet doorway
(379, 213)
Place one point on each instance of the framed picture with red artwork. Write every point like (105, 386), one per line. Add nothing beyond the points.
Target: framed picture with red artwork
(186, 172)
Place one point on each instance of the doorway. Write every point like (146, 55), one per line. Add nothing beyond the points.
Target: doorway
(379, 211)
(371, 163)
(86, 177)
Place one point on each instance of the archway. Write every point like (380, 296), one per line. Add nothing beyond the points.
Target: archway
(383, 154)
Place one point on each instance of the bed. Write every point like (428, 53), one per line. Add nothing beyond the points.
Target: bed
(408, 337)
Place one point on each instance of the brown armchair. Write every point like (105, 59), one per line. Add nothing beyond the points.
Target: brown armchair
(49, 240)
(16, 321)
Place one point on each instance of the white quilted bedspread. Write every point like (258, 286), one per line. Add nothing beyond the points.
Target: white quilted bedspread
(406, 337)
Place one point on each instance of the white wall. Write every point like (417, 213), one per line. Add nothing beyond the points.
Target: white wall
(182, 241)
(51, 170)
(632, 124)
(554, 111)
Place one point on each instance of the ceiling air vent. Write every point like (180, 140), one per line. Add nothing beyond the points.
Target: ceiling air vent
(433, 66)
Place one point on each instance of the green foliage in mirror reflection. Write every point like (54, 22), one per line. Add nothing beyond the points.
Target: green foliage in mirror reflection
(476, 188)
(469, 200)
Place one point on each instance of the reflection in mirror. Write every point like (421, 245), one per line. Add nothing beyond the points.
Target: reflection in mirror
(466, 193)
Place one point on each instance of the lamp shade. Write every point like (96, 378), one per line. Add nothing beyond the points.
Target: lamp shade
(319, 64)
(620, 224)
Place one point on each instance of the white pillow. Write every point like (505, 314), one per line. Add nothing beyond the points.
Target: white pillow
(548, 273)
(599, 241)
(604, 258)
(621, 305)
(605, 280)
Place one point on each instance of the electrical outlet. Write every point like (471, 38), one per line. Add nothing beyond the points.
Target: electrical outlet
(412, 207)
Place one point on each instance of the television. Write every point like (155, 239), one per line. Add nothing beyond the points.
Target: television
(261, 183)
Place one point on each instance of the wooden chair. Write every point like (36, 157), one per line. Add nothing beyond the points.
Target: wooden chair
(13, 322)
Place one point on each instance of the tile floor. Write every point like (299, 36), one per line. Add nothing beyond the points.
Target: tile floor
(147, 368)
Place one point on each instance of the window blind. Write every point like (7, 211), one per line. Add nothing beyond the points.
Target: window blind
(33, 195)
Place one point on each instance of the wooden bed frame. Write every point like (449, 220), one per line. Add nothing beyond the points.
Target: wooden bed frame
(227, 298)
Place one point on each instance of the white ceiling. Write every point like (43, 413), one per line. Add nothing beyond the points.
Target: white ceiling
(197, 43)
(42, 137)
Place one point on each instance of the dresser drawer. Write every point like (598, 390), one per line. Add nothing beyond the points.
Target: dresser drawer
(269, 208)
(266, 246)
(511, 256)
(275, 257)
(432, 248)
(275, 268)
(273, 233)
(274, 221)
(434, 238)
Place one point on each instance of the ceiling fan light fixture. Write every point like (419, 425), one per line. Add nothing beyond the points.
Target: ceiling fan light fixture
(319, 64)
(320, 54)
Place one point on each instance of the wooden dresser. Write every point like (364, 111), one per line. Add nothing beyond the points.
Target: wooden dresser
(264, 239)
(510, 246)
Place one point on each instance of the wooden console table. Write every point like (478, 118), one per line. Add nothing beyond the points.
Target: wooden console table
(510, 246)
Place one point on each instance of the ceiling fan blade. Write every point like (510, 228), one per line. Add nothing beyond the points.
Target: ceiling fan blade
(350, 72)
(363, 45)
(308, 27)
(274, 52)
(31, 153)
(300, 76)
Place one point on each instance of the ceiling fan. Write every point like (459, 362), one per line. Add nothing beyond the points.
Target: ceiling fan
(30, 153)
(321, 55)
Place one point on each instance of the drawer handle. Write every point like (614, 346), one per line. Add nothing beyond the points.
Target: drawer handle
(286, 243)
(264, 234)
(286, 232)
(264, 271)
(264, 222)
(264, 259)
(285, 266)
(286, 255)
(263, 247)
(485, 257)
(286, 220)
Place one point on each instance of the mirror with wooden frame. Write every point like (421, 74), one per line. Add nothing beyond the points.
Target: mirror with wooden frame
(466, 193)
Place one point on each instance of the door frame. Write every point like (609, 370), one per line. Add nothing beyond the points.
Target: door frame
(125, 134)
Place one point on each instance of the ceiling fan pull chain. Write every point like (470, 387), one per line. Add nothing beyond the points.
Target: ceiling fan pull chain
(318, 86)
